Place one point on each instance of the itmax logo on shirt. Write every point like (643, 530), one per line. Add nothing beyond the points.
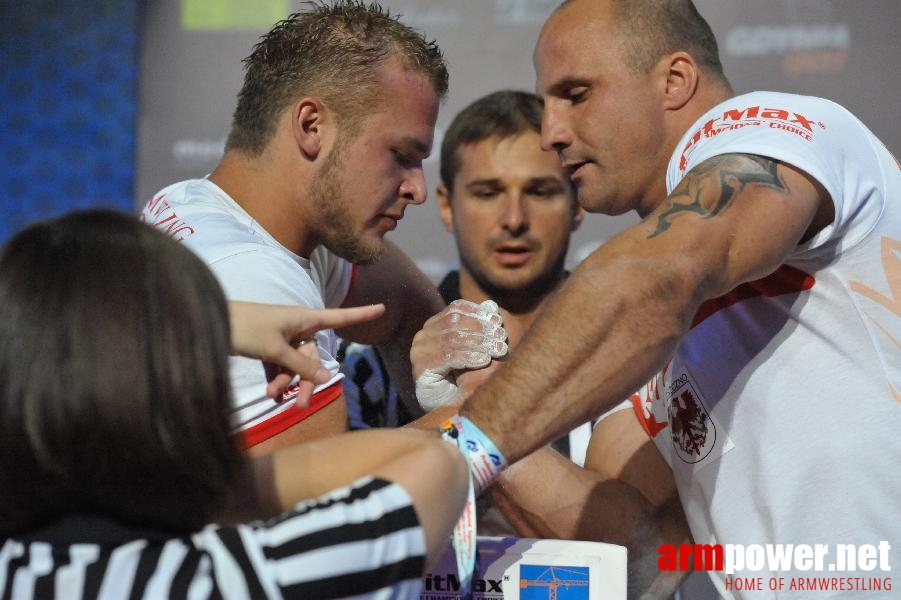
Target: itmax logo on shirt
(780, 558)
(753, 116)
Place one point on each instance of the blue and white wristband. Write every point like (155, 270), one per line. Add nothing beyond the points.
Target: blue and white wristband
(485, 465)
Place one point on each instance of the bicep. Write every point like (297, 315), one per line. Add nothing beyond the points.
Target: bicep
(620, 449)
(736, 217)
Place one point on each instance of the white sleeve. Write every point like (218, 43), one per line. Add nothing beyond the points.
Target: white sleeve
(262, 274)
(814, 135)
(334, 276)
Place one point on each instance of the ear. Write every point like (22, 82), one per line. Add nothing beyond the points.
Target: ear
(444, 208)
(307, 119)
(578, 215)
(681, 79)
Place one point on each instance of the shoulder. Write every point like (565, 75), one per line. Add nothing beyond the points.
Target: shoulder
(811, 134)
(323, 260)
(333, 274)
(199, 213)
(762, 122)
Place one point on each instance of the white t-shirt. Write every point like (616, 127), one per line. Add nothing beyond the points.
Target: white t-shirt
(780, 413)
(252, 266)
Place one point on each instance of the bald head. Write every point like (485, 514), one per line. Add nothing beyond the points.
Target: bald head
(646, 30)
(621, 81)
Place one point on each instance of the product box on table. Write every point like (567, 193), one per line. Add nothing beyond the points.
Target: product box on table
(529, 569)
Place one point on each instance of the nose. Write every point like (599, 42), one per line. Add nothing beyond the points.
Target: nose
(555, 133)
(515, 218)
(413, 188)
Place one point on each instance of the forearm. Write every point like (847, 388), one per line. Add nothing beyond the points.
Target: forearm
(547, 495)
(275, 482)
(606, 332)
(397, 364)
(309, 470)
(431, 471)
(666, 524)
(396, 350)
(621, 314)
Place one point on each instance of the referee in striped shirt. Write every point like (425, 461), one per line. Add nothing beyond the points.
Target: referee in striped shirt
(118, 474)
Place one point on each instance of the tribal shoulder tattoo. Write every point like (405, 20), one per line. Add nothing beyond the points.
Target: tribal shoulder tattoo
(730, 174)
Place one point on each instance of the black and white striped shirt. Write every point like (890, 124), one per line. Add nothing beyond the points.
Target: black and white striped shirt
(363, 540)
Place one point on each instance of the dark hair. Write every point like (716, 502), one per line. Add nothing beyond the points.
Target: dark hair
(503, 114)
(114, 390)
(649, 29)
(330, 51)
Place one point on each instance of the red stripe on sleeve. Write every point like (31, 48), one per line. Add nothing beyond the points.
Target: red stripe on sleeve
(291, 417)
(784, 280)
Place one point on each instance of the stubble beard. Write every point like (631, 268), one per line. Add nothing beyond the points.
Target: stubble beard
(335, 223)
(520, 296)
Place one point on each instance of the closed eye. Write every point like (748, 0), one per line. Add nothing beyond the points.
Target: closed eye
(577, 94)
(403, 158)
(485, 193)
(409, 154)
(541, 192)
(545, 187)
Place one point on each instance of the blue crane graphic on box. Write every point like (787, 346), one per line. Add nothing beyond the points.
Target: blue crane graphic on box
(544, 582)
